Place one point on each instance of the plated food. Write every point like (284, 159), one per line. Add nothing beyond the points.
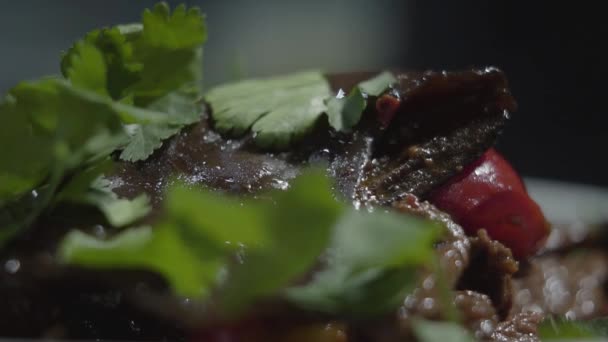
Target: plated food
(135, 205)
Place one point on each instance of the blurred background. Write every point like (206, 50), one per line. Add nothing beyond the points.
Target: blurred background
(553, 55)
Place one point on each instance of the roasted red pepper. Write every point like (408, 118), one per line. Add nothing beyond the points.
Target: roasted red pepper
(489, 194)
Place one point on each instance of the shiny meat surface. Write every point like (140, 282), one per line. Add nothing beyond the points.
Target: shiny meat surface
(479, 268)
(445, 121)
(522, 327)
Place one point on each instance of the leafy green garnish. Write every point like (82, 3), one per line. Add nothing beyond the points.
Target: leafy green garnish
(126, 87)
(159, 249)
(60, 130)
(300, 227)
(371, 265)
(429, 331)
(560, 329)
(344, 112)
(157, 65)
(180, 110)
(118, 211)
(282, 109)
(278, 110)
(279, 240)
(88, 69)
(209, 228)
(88, 187)
(377, 85)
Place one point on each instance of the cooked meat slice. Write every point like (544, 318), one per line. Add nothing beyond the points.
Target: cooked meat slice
(446, 121)
(481, 301)
(490, 272)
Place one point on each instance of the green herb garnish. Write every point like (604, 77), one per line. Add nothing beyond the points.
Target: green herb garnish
(277, 110)
(124, 88)
(345, 112)
(156, 65)
(371, 266)
(280, 110)
(375, 254)
(60, 131)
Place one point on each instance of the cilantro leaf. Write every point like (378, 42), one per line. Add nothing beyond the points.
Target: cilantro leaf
(169, 50)
(144, 140)
(66, 130)
(345, 112)
(148, 61)
(116, 48)
(226, 220)
(369, 270)
(373, 264)
(377, 85)
(148, 66)
(185, 28)
(180, 110)
(429, 331)
(47, 118)
(160, 249)
(21, 169)
(88, 69)
(300, 226)
(118, 211)
(276, 252)
(278, 110)
(144, 77)
(90, 187)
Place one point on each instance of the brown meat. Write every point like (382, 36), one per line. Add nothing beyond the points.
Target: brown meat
(521, 328)
(445, 121)
(490, 271)
(479, 268)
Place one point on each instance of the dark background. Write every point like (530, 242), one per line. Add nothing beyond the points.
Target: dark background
(552, 53)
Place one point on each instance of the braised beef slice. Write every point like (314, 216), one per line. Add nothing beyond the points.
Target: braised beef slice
(445, 121)
(482, 302)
